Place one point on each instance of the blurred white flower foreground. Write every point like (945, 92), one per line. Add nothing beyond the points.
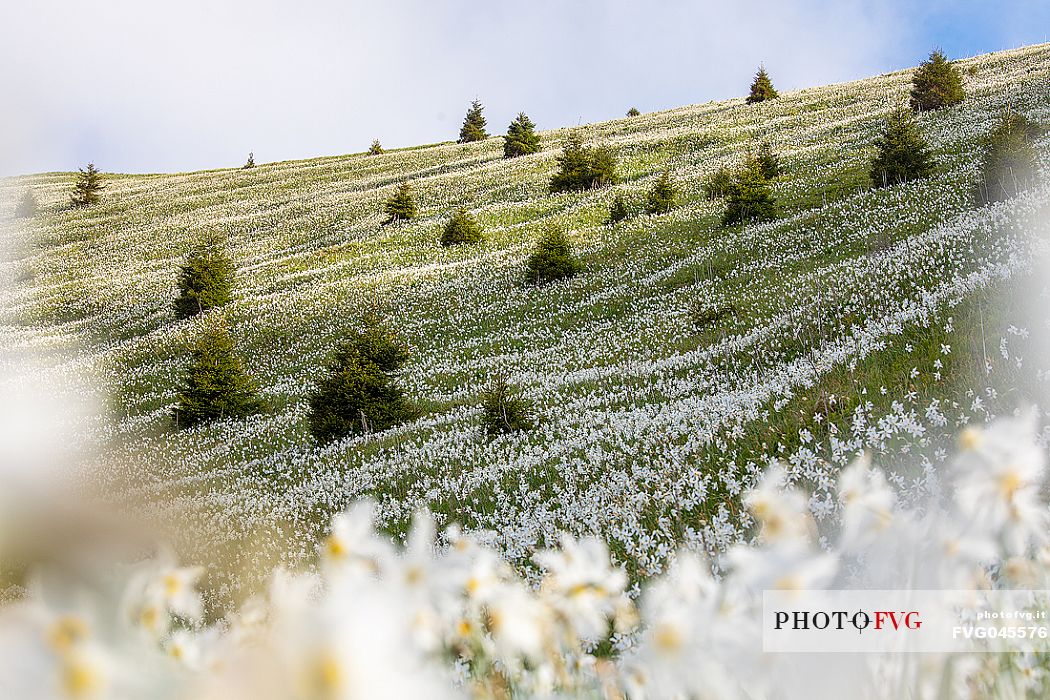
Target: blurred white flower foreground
(455, 620)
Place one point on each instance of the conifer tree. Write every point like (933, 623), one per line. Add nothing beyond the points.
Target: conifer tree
(88, 187)
(762, 88)
(250, 163)
(359, 392)
(376, 148)
(719, 184)
(215, 385)
(633, 112)
(27, 206)
(750, 198)
(902, 152)
(661, 197)
(581, 167)
(473, 128)
(205, 279)
(521, 138)
(462, 228)
(401, 206)
(1009, 163)
(504, 410)
(936, 84)
(552, 259)
(767, 161)
(619, 209)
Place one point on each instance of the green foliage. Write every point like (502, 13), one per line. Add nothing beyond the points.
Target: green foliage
(250, 163)
(461, 228)
(27, 206)
(473, 128)
(662, 195)
(767, 161)
(750, 199)
(936, 84)
(552, 258)
(619, 209)
(205, 279)
(902, 152)
(762, 88)
(358, 393)
(1009, 163)
(720, 184)
(376, 148)
(504, 410)
(88, 187)
(633, 112)
(521, 138)
(402, 206)
(215, 385)
(581, 167)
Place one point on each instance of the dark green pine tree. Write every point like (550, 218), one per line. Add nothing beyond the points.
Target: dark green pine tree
(250, 163)
(27, 206)
(662, 195)
(359, 392)
(473, 128)
(215, 385)
(581, 167)
(461, 229)
(768, 161)
(719, 184)
(521, 138)
(1010, 161)
(552, 259)
(504, 410)
(936, 84)
(762, 88)
(376, 148)
(750, 199)
(619, 209)
(401, 206)
(88, 187)
(205, 278)
(902, 152)
(633, 112)
(603, 167)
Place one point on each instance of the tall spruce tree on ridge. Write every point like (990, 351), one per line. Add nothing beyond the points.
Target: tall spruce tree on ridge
(936, 84)
(88, 187)
(205, 279)
(903, 154)
(521, 138)
(473, 128)
(762, 88)
(401, 206)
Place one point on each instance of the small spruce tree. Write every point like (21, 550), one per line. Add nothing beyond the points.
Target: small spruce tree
(205, 279)
(1009, 163)
(762, 88)
(473, 128)
(462, 228)
(768, 161)
(250, 163)
(552, 259)
(401, 206)
(719, 184)
(215, 385)
(936, 84)
(27, 206)
(902, 152)
(633, 112)
(662, 195)
(88, 187)
(376, 148)
(359, 392)
(619, 209)
(581, 167)
(504, 410)
(521, 138)
(750, 199)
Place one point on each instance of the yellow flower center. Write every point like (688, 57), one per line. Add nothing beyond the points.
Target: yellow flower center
(66, 632)
(334, 547)
(668, 638)
(79, 679)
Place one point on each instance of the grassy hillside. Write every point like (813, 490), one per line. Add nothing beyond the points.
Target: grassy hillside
(857, 317)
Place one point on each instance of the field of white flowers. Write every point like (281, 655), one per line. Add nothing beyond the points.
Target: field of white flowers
(859, 319)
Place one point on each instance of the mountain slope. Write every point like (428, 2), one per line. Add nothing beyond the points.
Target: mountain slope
(836, 314)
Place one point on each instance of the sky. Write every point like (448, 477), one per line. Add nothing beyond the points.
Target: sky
(159, 86)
